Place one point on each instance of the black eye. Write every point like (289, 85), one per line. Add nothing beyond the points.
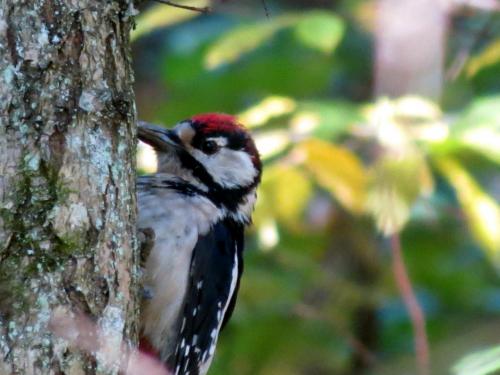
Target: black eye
(209, 147)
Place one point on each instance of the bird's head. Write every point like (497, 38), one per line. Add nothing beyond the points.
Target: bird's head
(212, 151)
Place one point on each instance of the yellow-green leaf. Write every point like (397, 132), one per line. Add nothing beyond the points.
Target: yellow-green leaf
(338, 170)
(320, 30)
(161, 15)
(285, 192)
(489, 56)
(481, 210)
(396, 184)
(292, 191)
(243, 39)
(267, 109)
(479, 127)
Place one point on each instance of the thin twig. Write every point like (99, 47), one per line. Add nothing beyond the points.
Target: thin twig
(414, 309)
(187, 7)
(306, 311)
(266, 9)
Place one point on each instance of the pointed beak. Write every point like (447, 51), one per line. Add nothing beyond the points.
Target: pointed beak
(159, 138)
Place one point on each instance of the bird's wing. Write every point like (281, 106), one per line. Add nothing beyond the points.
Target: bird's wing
(216, 267)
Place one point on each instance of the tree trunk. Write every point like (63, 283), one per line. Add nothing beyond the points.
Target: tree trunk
(67, 182)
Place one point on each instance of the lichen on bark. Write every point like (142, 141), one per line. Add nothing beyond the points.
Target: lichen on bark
(67, 199)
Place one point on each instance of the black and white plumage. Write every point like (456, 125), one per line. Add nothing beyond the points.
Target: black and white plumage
(198, 204)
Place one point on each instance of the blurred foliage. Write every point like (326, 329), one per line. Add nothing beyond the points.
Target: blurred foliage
(161, 16)
(482, 363)
(481, 210)
(318, 296)
(490, 56)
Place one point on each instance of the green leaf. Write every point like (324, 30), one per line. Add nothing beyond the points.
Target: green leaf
(161, 15)
(243, 39)
(320, 30)
(332, 118)
(484, 362)
(481, 210)
(338, 170)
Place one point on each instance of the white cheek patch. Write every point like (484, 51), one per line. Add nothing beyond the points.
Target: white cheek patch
(229, 168)
(185, 132)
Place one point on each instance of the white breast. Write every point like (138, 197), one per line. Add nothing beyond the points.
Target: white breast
(177, 221)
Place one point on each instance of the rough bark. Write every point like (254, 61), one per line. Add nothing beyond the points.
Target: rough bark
(67, 199)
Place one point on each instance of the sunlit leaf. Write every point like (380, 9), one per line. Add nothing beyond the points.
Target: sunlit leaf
(388, 129)
(488, 57)
(161, 15)
(270, 107)
(412, 108)
(271, 142)
(304, 122)
(481, 210)
(244, 39)
(479, 127)
(396, 184)
(485, 362)
(320, 30)
(338, 170)
(398, 123)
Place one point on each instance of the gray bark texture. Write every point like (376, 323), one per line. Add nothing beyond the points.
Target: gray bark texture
(67, 185)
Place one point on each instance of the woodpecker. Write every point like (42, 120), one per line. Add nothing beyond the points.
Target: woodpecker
(198, 204)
